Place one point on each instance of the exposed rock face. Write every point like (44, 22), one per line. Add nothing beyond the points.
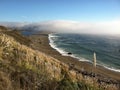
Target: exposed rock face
(24, 68)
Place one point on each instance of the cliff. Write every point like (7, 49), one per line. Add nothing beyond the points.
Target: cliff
(23, 68)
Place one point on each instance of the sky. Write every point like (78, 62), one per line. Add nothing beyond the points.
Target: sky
(44, 10)
(63, 15)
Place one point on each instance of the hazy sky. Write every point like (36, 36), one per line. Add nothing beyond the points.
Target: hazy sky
(43, 10)
(83, 16)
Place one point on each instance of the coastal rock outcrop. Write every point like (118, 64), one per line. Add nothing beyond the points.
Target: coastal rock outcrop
(69, 53)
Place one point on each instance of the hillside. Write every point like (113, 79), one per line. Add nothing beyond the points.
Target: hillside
(24, 68)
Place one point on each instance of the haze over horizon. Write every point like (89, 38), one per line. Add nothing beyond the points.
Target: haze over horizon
(80, 16)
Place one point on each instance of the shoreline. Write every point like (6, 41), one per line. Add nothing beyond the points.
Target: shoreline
(64, 53)
(41, 43)
(81, 59)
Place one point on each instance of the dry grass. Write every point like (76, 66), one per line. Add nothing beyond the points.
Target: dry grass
(5, 83)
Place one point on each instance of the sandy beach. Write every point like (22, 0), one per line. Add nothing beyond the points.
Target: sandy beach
(41, 42)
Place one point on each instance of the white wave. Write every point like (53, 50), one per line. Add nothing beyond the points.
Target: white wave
(80, 58)
(109, 68)
(53, 45)
(113, 69)
(52, 35)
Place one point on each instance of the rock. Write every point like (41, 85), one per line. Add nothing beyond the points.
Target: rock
(69, 53)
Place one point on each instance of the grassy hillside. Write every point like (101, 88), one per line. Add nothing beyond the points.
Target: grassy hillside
(22, 68)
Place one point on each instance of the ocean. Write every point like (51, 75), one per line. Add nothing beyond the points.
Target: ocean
(82, 47)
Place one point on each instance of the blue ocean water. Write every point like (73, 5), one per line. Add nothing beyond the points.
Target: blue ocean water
(82, 46)
(28, 33)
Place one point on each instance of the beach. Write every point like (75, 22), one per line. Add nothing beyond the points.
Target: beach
(40, 42)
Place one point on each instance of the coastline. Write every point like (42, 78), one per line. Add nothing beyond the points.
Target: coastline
(64, 53)
(41, 43)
